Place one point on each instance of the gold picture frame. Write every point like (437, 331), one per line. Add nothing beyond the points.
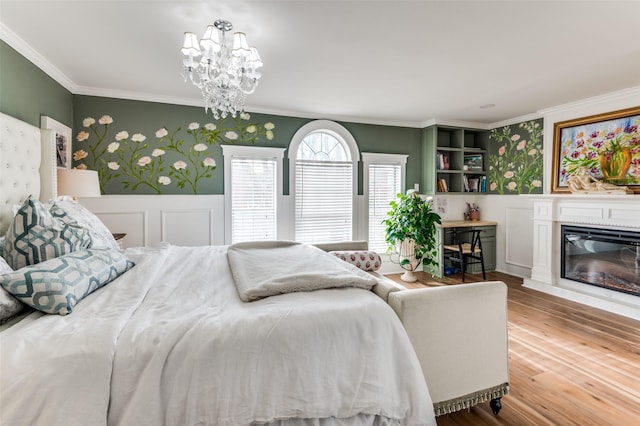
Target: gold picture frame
(593, 141)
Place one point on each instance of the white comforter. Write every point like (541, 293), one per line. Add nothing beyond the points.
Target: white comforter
(171, 343)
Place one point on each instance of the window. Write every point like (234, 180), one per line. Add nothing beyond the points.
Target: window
(323, 158)
(253, 184)
(384, 179)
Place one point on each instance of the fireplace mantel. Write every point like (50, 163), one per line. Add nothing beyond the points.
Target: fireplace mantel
(603, 211)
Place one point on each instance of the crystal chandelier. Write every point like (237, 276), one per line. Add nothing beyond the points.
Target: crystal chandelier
(226, 73)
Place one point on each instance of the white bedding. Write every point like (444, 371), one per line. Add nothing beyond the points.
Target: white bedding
(171, 343)
(267, 268)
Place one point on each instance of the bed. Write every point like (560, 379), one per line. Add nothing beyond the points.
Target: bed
(169, 340)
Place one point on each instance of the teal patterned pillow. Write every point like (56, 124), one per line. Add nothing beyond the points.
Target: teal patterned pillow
(35, 236)
(55, 286)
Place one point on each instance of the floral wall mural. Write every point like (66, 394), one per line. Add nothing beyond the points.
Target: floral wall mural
(516, 159)
(179, 157)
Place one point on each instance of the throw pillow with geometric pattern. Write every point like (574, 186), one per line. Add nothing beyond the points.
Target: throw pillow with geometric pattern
(9, 305)
(55, 286)
(35, 236)
(65, 207)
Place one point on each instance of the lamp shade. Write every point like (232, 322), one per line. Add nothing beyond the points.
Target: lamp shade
(78, 183)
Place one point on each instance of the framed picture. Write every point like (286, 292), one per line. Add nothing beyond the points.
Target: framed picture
(472, 163)
(606, 147)
(63, 140)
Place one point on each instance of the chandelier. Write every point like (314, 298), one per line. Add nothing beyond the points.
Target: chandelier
(226, 73)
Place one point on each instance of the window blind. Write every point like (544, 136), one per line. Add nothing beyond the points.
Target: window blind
(384, 185)
(324, 201)
(253, 199)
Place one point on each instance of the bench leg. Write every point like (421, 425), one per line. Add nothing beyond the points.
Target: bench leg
(496, 405)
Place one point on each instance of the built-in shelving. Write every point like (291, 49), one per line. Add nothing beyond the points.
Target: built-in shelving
(454, 159)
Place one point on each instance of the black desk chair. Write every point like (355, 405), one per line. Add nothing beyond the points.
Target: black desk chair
(465, 249)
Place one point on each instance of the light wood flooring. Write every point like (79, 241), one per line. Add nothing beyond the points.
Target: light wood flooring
(569, 364)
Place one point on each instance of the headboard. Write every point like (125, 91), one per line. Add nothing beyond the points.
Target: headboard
(27, 165)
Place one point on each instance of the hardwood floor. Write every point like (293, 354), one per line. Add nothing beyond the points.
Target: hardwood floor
(569, 364)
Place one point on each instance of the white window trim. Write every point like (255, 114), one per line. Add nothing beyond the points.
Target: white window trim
(340, 132)
(255, 152)
(369, 158)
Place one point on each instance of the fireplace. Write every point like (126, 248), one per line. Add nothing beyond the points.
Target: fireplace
(601, 257)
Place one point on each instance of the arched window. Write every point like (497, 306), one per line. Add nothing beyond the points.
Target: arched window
(323, 157)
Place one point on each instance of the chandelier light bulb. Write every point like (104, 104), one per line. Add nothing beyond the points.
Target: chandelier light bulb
(226, 73)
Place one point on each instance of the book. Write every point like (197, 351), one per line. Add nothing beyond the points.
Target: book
(474, 183)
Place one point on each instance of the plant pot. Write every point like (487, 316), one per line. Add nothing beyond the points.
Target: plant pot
(474, 215)
(409, 276)
(407, 255)
(615, 164)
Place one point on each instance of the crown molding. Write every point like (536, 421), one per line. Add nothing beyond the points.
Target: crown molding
(138, 96)
(620, 95)
(516, 120)
(23, 48)
(455, 123)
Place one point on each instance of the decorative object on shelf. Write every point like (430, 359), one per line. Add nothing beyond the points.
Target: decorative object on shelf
(226, 73)
(443, 161)
(516, 160)
(473, 163)
(607, 146)
(411, 234)
(473, 212)
(583, 183)
(78, 183)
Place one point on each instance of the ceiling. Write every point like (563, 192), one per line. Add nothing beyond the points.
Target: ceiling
(387, 62)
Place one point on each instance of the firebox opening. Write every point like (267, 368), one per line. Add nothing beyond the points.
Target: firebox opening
(601, 257)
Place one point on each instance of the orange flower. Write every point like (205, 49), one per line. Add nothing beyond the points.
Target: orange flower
(580, 135)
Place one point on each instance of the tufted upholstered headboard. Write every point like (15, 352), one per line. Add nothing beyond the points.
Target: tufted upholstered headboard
(27, 165)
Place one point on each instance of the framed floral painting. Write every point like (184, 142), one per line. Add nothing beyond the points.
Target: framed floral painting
(604, 146)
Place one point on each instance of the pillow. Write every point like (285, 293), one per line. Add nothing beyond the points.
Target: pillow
(365, 260)
(35, 236)
(9, 305)
(100, 234)
(56, 285)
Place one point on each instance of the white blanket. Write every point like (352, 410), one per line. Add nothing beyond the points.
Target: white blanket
(268, 268)
(170, 343)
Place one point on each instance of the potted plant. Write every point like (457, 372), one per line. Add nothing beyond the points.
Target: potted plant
(473, 212)
(411, 234)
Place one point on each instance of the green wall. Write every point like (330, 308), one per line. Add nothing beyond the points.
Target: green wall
(26, 92)
(147, 118)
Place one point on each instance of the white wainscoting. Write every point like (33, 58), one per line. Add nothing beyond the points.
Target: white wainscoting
(518, 236)
(187, 220)
(196, 220)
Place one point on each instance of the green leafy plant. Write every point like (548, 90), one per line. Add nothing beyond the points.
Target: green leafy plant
(412, 220)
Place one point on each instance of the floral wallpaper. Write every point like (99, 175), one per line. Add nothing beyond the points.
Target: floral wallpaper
(182, 158)
(516, 159)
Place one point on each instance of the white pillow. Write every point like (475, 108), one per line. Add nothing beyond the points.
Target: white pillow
(100, 234)
(9, 305)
